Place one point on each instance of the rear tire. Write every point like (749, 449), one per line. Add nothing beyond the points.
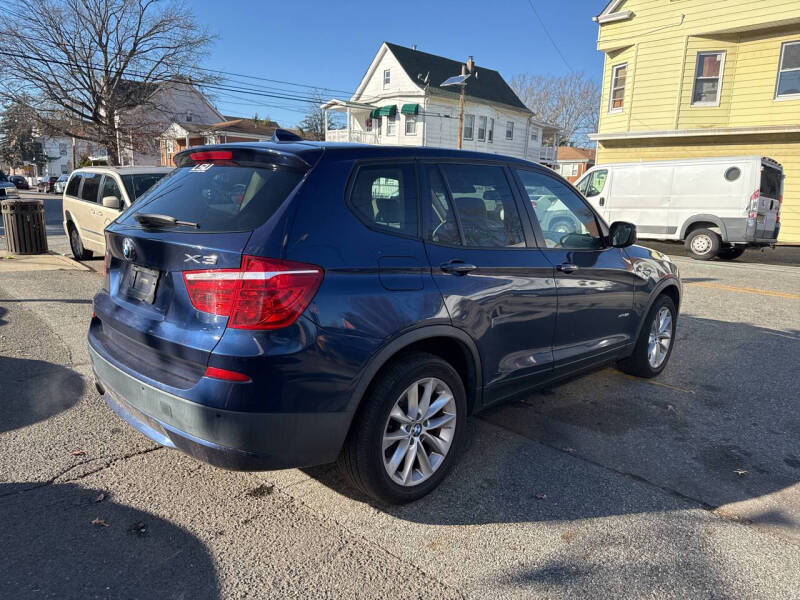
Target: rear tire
(382, 430)
(731, 253)
(703, 244)
(641, 363)
(76, 244)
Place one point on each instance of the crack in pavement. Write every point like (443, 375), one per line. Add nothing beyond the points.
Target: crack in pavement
(109, 463)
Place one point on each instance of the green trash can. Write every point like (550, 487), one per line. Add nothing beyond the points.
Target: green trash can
(23, 221)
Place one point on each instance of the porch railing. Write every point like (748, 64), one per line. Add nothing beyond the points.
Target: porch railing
(358, 137)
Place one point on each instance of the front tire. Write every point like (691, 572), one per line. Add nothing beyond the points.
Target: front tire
(408, 431)
(703, 244)
(76, 244)
(656, 339)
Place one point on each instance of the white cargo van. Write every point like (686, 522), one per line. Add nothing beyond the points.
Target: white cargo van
(718, 206)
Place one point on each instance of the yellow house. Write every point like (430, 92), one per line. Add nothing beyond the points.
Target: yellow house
(700, 78)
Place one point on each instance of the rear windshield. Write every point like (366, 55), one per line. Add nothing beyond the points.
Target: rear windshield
(770, 182)
(136, 185)
(217, 197)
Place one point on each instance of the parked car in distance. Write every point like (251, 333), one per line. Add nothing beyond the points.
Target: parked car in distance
(60, 184)
(46, 184)
(95, 196)
(718, 206)
(289, 304)
(7, 189)
(20, 182)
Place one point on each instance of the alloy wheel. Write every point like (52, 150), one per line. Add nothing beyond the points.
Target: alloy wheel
(660, 338)
(419, 431)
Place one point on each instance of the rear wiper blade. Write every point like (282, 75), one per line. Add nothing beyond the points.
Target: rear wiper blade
(154, 220)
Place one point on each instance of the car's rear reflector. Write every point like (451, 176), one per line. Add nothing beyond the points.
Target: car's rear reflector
(266, 293)
(217, 373)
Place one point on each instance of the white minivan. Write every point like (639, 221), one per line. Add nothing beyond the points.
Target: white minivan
(95, 196)
(718, 206)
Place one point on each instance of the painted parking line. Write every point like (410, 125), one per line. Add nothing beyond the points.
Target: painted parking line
(744, 290)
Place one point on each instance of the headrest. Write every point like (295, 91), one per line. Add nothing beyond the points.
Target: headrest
(471, 207)
(388, 209)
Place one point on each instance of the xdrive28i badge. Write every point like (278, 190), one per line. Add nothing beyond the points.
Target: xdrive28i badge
(128, 249)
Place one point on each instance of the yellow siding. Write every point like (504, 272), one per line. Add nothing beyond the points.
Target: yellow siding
(783, 148)
(660, 43)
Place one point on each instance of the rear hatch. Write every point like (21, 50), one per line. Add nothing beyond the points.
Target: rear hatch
(763, 219)
(200, 217)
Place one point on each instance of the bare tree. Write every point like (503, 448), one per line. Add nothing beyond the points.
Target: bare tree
(83, 63)
(314, 125)
(571, 101)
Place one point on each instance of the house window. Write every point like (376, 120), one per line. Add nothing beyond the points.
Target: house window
(391, 125)
(411, 124)
(469, 126)
(490, 133)
(481, 129)
(788, 85)
(617, 95)
(170, 146)
(209, 139)
(534, 134)
(188, 117)
(708, 78)
(509, 130)
(62, 149)
(387, 78)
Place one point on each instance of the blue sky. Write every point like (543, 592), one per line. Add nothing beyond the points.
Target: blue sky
(330, 45)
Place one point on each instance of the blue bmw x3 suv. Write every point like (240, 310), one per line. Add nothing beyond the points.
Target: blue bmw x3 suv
(288, 304)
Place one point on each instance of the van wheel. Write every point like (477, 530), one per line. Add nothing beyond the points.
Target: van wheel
(78, 251)
(731, 253)
(703, 244)
(656, 339)
(408, 431)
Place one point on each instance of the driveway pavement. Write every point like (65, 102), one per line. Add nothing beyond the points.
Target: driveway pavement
(685, 486)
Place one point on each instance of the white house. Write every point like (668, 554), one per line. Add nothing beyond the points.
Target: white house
(400, 101)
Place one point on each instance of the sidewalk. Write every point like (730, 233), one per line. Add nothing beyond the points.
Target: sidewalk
(14, 263)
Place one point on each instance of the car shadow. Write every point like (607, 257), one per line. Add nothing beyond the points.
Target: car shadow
(67, 541)
(35, 390)
(719, 425)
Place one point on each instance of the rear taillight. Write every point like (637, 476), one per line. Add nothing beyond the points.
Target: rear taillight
(226, 375)
(266, 293)
(753, 206)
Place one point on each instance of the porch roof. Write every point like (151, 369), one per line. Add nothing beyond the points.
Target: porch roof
(336, 104)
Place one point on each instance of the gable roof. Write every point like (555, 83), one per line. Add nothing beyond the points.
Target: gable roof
(487, 85)
(575, 154)
(266, 128)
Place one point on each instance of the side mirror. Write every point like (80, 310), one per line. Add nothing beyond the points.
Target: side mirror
(622, 234)
(112, 202)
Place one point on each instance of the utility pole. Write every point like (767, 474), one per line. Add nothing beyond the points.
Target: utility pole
(461, 106)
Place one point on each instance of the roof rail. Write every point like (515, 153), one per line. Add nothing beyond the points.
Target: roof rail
(284, 135)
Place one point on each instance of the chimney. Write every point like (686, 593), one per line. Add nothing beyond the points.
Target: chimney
(414, 47)
(470, 64)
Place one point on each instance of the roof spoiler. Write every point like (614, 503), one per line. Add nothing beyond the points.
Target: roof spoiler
(284, 135)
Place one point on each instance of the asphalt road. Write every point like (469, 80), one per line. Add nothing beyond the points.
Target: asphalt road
(685, 486)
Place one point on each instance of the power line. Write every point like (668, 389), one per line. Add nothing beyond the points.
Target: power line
(549, 37)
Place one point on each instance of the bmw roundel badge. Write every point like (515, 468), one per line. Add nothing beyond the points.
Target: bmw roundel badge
(128, 249)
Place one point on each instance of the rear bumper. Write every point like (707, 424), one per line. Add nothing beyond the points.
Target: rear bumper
(743, 231)
(235, 440)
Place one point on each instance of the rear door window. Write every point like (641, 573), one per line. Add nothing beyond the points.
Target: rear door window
(74, 185)
(770, 182)
(385, 197)
(218, 198)
(91, 186)
(485, 205)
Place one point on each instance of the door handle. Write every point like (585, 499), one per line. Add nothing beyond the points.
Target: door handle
(602, 201)
(457, 267)
(567, 268)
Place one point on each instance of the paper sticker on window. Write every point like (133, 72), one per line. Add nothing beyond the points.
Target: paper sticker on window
(202, 168)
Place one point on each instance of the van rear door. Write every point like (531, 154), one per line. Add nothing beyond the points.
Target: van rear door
(763, 221)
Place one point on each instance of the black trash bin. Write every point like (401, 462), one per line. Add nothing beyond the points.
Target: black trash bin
(23, 221)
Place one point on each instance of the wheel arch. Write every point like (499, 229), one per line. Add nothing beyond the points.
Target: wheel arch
(704, 220)
(668, 287)
(445, 341)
